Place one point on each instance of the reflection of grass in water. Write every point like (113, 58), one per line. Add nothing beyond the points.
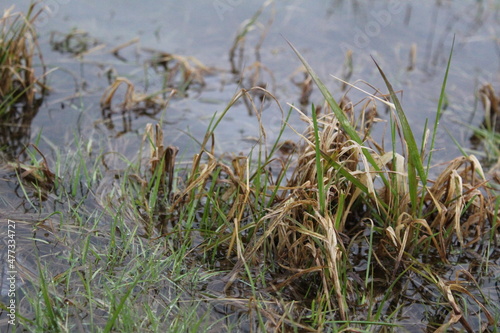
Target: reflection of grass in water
(315, 245)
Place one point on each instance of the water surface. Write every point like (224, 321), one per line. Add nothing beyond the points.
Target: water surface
(324, 31)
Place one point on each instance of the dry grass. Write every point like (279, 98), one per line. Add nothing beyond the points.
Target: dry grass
(486, 138)
(290, 236)
(21, 91)
(316, 218)
(18, 46)
(491, 104)
(340, 189)
(132, 100)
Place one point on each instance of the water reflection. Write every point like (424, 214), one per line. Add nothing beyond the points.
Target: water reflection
(410, 42)
(15, 127)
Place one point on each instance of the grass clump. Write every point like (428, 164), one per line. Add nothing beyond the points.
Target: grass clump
(20, 88)
(407, 224)
(332, 239)
(17, 52)
(342, 237)
(486, 138)
(299, 237)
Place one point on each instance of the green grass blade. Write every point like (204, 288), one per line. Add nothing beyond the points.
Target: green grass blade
(442, 98)
(49, 305)
(455, 141)
(116, 312)
(319, 165)
(415, 166)
(342, 118)
(344, 172)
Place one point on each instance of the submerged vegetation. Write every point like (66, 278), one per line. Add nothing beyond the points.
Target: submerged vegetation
(333, 232)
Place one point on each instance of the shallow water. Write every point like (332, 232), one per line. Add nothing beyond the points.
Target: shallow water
(323, 31)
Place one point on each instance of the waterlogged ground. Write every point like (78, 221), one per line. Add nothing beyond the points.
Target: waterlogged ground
(86, 45)
(392, 32)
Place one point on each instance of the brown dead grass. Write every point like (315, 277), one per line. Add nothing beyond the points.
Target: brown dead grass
(179, 71)
(132, 100)
(178, 74)
(491, 104)
(301, 240)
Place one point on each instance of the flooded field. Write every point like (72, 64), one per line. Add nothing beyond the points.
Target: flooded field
(106, 230)
(410, 42)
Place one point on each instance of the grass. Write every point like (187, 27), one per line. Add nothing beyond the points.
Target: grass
(16, 57)
(339, 235)
(18, 52)
(486, 138)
